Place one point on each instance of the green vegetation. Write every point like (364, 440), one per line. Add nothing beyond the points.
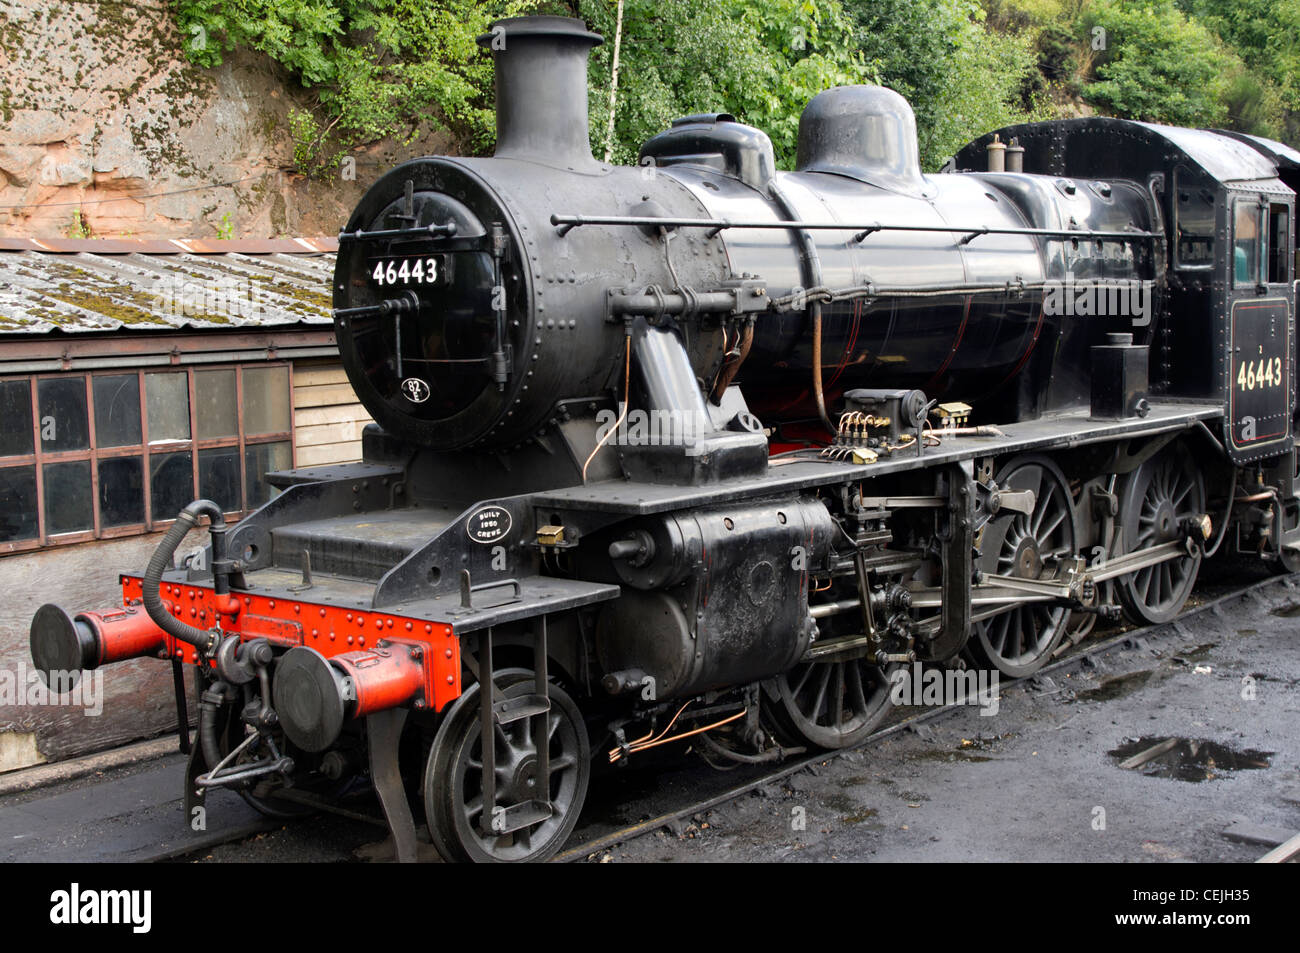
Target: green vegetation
(1227, 63)
(396, 69)
(78, 227)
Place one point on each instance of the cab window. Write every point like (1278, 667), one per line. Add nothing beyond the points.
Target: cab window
(1279, 234)
(1247, 236)
(1193, 223)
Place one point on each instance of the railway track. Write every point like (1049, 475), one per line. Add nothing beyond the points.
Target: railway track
(605, 838)
(1068, 662)
(1285, 853)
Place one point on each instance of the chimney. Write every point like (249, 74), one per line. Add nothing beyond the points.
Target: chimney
(541, 89)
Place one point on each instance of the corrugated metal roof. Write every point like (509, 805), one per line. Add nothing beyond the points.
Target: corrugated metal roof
(127, 289)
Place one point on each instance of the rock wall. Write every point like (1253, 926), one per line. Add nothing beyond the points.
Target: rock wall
(106, 130)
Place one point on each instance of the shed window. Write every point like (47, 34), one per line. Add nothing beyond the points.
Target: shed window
(87, 456)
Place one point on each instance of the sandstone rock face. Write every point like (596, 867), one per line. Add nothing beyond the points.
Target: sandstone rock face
(106, 130)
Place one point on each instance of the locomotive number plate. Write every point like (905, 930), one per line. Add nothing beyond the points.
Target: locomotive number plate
(410, 271)
(1259, 395)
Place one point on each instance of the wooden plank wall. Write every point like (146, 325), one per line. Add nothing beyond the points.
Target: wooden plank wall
(327, 417)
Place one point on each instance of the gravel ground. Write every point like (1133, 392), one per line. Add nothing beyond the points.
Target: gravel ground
(1036, 781)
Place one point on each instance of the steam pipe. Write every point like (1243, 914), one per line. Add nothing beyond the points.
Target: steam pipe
(205, 640)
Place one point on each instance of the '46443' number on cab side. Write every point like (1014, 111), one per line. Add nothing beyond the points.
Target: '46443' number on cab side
(1255, 375)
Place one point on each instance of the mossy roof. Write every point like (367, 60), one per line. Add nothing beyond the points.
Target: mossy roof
(43, 293)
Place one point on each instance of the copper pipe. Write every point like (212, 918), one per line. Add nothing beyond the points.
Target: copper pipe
(729, 369)
(818, 393)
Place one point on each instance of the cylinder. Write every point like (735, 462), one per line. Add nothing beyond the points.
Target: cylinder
(1015, 156)
(997, 151)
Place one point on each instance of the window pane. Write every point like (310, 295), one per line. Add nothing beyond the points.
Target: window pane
(1245, 246)
(15, 418)
(266, 400)
(219, 477)
(117, 410)
(167, 397)
(171, 484)
(214, 392)
(62, 402)
(259, 460)
(1194, 215)
(17, 503)
(67, 497)
(121, 491)
(1279, 229)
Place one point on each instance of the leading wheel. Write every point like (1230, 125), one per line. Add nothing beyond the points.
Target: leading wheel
(829, 703)
(1019, 641)
(453, 782)
(1154, 502)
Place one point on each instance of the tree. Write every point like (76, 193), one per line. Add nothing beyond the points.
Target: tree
(961, 79)
(1157, 65)
(759, 62)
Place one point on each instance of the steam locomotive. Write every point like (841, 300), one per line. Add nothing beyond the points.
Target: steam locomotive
(700, 450)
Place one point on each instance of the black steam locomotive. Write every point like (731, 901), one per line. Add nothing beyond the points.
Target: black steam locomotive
(700, 449)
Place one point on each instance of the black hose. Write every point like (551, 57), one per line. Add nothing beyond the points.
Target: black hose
(210, 705)
(202, 639)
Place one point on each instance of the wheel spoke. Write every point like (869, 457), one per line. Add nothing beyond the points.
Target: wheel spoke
(803, 680)
(821, 691)
(839, 694)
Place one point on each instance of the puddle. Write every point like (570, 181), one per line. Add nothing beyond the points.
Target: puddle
(1288, 611)
(951, 756)
(1247, 632)
(849, 809)
(861, 816)
(1195, 653)
(1115, 687)
(1186, 759)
